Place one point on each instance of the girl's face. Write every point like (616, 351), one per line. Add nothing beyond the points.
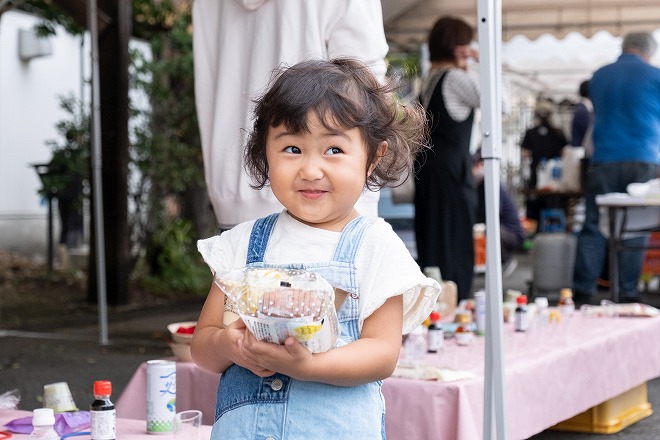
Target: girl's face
(317, 175)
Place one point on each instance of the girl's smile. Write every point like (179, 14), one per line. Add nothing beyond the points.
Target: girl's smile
(312, 194)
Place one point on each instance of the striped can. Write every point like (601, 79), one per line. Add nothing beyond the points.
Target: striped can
(161, 396)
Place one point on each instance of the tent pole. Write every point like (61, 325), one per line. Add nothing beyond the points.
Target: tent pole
(97, 184)
(489, 15)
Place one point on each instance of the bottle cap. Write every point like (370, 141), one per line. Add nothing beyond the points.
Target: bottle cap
(435, 316)
(102, 388)
(522, 299)
(463, 318)
(43, 417)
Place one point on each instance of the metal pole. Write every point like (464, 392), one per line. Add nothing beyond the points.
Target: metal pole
(489, 14)
(50, 235)
(96, 176)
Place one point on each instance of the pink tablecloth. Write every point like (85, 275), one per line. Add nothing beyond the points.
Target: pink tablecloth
(127, 429)
(552, 374)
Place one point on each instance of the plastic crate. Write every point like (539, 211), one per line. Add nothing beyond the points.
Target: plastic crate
(612, 415)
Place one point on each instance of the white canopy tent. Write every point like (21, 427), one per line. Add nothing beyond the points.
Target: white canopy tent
(407, 23)
(555, 67)
(549, 47)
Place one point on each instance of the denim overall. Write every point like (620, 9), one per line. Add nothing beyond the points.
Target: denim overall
(281, 408)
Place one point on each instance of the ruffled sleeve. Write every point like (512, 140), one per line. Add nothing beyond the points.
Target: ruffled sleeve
(226, 251)
(386, 269)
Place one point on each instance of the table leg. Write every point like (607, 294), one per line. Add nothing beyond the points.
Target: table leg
(613, 255)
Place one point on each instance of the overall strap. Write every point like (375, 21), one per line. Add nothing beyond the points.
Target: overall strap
(431, 84)
(350, 239)
(259, 238)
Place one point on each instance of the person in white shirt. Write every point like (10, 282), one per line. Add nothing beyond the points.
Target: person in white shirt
(237, 45)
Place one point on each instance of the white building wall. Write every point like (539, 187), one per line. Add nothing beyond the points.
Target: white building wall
(29, 111)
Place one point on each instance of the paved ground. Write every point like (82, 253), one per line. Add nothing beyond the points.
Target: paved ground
(71, 353)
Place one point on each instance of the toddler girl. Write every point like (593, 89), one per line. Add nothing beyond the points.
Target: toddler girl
(324, 132)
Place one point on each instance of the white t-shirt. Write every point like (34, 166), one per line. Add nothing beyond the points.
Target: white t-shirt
(384, 266)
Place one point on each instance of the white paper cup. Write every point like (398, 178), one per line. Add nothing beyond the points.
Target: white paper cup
(58, 397)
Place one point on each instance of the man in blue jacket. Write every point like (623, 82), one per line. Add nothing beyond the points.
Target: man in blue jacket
(626, 138)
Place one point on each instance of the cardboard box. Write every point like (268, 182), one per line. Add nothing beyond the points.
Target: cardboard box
(612, 415)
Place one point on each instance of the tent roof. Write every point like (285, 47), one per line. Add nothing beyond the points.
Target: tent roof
(407, 22)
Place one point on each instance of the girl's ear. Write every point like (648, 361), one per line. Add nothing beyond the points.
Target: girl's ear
(380, 153)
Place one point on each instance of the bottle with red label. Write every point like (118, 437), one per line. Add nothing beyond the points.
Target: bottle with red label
(521, 320)
(435, 335)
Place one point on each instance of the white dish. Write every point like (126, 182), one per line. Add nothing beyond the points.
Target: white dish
(181, 352)
(181, 338)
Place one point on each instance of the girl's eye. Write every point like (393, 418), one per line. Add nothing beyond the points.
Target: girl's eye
(293, 150)
(334, 150)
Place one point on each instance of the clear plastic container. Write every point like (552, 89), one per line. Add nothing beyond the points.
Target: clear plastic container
(278, 303)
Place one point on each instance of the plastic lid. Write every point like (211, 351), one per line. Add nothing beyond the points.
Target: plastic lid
(522, 299)
(43, 417)
(463, 317)
(435, 316)
(102, 388)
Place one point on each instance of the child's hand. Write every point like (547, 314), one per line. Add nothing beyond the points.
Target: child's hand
(239, 332)
(291, 359)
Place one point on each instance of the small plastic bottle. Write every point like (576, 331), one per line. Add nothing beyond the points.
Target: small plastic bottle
(43, 420)
(521, 321)
(415, 345)
(566, 305)
(542, 311)
(436, 336)
(102, 411)
(464, 333)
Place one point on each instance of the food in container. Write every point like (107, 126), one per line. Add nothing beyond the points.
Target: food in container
(278, 303)
(182, 332)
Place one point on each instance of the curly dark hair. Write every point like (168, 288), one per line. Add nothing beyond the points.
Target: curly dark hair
(342, 92)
